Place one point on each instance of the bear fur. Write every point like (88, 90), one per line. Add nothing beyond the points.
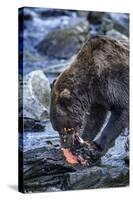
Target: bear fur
(95, 83)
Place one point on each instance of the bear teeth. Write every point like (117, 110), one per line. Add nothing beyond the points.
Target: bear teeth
(68, 130)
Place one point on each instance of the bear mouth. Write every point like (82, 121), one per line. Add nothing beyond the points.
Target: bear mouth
(75, 134)
(72, 154)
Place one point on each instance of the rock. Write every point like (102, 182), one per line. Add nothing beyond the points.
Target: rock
(64, 43)
(119, 153)
(56, 69)
(95, 17)
(36, 95)
(46, 168)
(43, 136)
(121, 22)
(116, 35)
(27, 125)
(34, 98)
(106, 25)
(97, 177)
(102, 22)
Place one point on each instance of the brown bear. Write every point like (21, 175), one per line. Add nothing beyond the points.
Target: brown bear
(95, 83)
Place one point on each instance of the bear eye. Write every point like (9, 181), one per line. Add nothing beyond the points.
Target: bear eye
(65, 102)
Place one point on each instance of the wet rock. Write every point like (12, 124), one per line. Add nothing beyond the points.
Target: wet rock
(106, 25)
(46, 168)
(97, 177)
(121, 22)
(56, 69)
(28, 124)
(64, 43)
(118, 155)
(45, 136)
(34, 96)
(117, 35)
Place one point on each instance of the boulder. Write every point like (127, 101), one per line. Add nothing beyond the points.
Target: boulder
(65, 42)
(36, 95)
(34, 98)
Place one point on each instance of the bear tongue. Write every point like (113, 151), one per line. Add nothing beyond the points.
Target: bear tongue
(70, 158)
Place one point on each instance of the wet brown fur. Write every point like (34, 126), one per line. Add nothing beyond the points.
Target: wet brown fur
(96, 82)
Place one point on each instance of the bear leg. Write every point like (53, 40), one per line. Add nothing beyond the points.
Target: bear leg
(94, 122)
(117, 122)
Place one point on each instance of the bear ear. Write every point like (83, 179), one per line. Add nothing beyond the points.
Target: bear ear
(52, 84)
(65, 94)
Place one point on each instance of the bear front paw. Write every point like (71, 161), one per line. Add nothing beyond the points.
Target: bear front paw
(87, 153)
